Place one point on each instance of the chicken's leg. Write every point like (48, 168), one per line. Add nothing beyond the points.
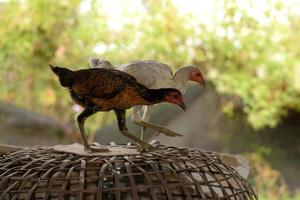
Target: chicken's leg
(137, 116)
(87, 112)
(159, 129)
(146, 116)
(123, 129)
(143, 122)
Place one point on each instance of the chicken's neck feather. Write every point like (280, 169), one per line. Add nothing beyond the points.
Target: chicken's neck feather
(154, 96)
(181, 78)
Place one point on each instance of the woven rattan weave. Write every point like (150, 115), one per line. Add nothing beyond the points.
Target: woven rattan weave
(166, 173)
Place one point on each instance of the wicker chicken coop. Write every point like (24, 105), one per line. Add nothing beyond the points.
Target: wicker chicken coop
(166, 173)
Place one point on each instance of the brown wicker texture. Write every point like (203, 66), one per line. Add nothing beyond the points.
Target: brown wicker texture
(166, 173)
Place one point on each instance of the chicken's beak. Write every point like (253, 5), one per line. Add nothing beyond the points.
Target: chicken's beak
(183, 106)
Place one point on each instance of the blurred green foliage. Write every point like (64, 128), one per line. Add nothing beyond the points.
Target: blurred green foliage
(257, 61)
(36, 33)
(243, 56)
(252, 57)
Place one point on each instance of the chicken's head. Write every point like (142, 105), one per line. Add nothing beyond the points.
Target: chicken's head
(100, 63)
(196, 75)
(174, 96)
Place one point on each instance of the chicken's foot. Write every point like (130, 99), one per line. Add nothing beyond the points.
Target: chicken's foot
(123, 129)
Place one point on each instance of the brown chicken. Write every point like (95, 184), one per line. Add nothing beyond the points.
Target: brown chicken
(102, 89)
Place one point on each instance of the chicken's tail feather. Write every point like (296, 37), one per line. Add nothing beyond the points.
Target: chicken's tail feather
(65, 75)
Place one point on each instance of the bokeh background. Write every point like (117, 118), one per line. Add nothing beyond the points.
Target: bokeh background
(248, 51)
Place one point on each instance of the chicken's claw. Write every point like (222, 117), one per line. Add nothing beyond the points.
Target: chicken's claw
(96, 149)
(89, 150)
(145, 147)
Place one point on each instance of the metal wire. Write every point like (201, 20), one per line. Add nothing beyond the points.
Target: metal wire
(166, 173)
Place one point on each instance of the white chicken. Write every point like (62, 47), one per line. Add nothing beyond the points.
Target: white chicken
(154, 75)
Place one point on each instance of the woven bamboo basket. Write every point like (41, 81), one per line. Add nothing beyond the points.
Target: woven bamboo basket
(166, 173)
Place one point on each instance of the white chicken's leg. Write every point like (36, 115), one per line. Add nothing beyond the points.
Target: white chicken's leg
(138, 119)
(145, 118)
